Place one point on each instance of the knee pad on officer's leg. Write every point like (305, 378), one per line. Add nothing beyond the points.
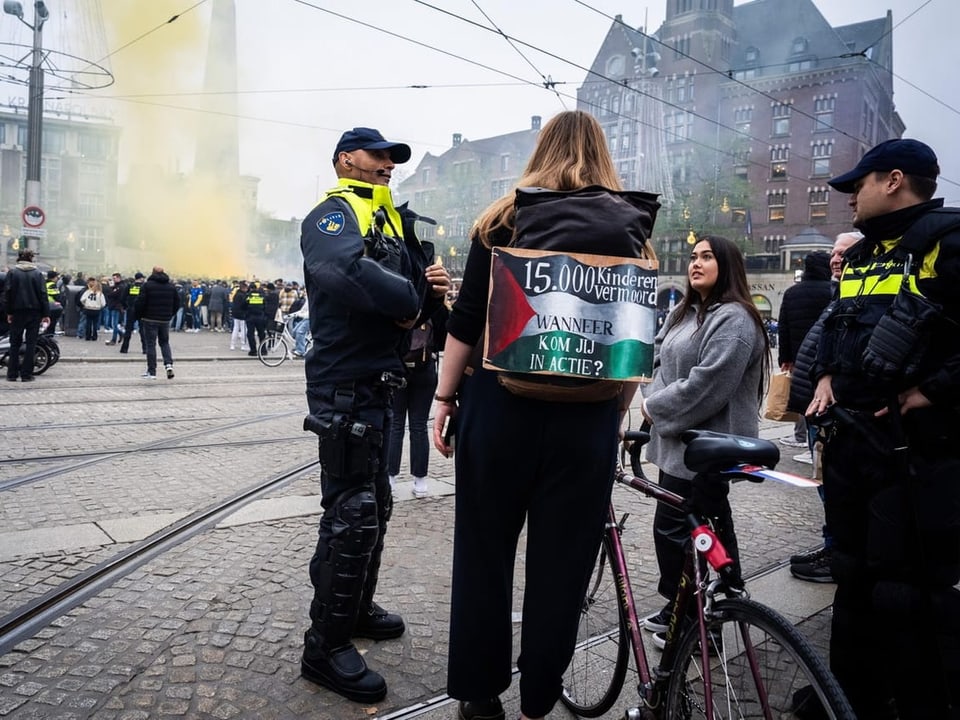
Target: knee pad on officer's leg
(348, 533)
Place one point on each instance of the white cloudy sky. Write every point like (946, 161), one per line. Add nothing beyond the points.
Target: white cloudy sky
(308, 69)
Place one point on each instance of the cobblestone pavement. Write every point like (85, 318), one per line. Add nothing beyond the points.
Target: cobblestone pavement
(213, 628)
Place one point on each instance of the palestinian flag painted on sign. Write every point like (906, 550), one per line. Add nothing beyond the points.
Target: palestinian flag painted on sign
(571, 314)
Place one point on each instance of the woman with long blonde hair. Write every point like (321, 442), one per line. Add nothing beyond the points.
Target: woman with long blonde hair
(523, 459)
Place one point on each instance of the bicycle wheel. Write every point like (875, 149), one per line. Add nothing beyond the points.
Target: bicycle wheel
(41, 360)
(272, 350)
(594, 678)
(756, 670)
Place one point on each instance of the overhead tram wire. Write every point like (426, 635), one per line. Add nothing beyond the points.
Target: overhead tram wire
(729, 74)
(887, 32)
(499, 72)
(521, 80)
(173, 18)
(736, 132)
(547, 82)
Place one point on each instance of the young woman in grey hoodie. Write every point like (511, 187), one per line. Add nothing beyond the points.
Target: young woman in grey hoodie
(711, 361)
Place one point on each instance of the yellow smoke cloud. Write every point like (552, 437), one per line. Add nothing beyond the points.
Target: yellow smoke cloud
(194, 224)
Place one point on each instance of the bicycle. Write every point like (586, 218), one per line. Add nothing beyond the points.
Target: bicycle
(276, 346)
(724, 657)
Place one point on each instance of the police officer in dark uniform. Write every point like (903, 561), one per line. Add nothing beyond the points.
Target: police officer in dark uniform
(253, 308)
(130, 296)
(888, 365)
(368, 281)
(56, 306)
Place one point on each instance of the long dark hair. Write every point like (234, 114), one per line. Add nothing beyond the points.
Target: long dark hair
(731, 287)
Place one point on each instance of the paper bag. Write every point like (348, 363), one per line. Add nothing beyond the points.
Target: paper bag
(777, 398)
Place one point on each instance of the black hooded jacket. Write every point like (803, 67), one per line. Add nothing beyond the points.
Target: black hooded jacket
(158, 300)
(802, 304)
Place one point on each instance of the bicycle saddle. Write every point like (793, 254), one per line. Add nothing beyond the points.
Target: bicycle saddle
(709, 451)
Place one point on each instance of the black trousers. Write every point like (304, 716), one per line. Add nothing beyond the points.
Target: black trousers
(256, 330)
(371, 405)
(895, 632)
(671, 535)
(549, 465)
(152, 334)
(24, 331)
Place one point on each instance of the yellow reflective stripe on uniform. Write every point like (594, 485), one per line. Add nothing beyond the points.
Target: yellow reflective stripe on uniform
(364, 208)
(255, 299)
(877, 280)
(134, 289)
(52, 293)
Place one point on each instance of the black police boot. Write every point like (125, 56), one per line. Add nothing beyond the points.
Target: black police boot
(377, 624)
(340, 669)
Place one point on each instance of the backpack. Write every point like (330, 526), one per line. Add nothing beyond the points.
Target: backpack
(616, 223)
(92, 302)
(421, 346)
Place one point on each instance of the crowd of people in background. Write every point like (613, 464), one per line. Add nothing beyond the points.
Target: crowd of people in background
(240, 308)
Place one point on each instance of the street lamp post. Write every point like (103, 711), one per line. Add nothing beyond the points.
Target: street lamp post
(35, 102)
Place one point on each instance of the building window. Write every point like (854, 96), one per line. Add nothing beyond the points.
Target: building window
(821, 152)
(504, 163)
(95, 146)
(684, 86)
(22, 135)
(684, 6)
(741, 162)
(799, 45)
(677, 126)
(776, 206)
(867, 122)
(819, 203)
(823, 112)
(781, 118)
(800, 65)
(751, 55)
(742, 118)
(779, 156)
(53, 141)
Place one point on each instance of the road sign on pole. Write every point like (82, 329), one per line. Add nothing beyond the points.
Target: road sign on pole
(33, 216)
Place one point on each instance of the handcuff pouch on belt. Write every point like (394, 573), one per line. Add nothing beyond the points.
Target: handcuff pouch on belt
(899, 341)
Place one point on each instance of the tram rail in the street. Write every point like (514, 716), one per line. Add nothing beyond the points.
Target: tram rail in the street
(24, 622)
(121, 452)
(165, 444)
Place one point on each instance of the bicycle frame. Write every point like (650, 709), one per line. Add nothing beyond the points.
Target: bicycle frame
(724, 655)
(691, 589)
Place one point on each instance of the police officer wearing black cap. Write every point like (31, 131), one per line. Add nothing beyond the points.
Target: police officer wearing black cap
(888, 376)
(368, 280)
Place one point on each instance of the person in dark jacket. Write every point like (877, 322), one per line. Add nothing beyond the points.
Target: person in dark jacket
(131, 294)
(252, 307)
(25, 300)
(156, 304)
(368, 280)
(889, 359)
(814, 565)
(799, 310)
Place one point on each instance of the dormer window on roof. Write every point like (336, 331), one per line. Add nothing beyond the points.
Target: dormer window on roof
(800, 45)
(751, 55)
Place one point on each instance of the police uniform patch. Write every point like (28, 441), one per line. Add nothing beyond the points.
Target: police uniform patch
(331, 223)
